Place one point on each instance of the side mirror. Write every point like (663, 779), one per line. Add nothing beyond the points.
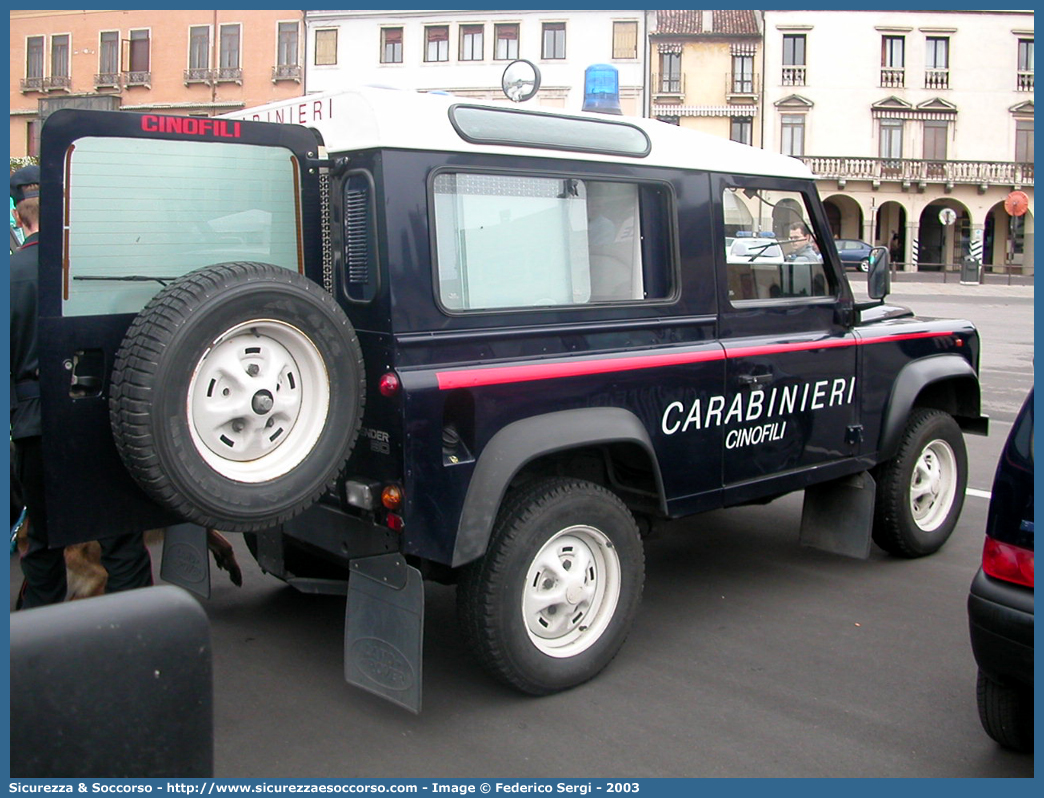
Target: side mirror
(879, 278)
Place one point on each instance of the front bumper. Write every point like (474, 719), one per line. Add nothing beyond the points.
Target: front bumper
(1000, 619)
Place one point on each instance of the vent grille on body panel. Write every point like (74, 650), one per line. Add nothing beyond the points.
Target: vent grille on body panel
(359, 238)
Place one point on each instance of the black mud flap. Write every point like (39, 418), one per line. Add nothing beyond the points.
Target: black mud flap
(186, 561)
(384, 629)
(838, 515)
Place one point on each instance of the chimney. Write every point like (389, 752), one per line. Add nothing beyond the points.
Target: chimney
(708, 21)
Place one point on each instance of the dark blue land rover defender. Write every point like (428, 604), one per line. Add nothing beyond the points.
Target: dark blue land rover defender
(392, 337)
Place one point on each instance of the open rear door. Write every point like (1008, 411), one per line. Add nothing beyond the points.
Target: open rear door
(130, 202)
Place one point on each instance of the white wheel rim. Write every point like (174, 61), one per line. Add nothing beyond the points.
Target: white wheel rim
(933, 485)
(571, 591)
(258, 400)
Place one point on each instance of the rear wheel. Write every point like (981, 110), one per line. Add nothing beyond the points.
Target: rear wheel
(1006, 713)
(920, 491)
(552, 601)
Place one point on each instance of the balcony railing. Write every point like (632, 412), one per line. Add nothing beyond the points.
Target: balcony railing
(893, 78)
(32, 84)
(286, 72)
(57, 82)
(229, 75)
(911, 171)
(199, 75)
(1024, 80)
(794, 75)
(139, 77)
(668, 84)
(937, 78)
(107, 80)
(743, 85)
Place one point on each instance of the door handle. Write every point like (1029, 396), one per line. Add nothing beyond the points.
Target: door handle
(754, 379)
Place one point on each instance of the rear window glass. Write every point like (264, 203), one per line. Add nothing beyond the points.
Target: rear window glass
(143, 212)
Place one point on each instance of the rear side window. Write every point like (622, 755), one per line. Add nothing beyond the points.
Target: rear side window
(142, 212)
(510, 241)
(771, 250)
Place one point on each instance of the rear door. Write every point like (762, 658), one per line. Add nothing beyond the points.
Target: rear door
(130, 202)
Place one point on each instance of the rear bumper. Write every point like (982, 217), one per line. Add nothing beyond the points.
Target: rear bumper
(1000, 620)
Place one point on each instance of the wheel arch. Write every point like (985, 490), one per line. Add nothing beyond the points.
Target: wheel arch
(944, 382)
(524, 442)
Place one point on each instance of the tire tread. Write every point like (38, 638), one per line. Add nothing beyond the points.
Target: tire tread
(1006, 713)
(476, 604)
(890, 506)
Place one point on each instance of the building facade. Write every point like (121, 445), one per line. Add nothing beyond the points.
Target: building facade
(197, 63)
(706, 71)
(919, 125)
(465, 52)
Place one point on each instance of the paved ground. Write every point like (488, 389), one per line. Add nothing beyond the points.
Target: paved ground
(750, 656)
(949, 284)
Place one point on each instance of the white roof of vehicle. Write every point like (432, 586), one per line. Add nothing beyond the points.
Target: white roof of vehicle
(372, 117)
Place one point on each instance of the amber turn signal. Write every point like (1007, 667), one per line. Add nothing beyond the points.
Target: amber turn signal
(391, 497)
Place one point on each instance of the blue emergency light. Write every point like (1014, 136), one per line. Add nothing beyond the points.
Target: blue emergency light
(602, 89)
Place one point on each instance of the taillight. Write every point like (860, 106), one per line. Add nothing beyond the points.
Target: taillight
(391, 498)
(1007, 562)
(389, 385)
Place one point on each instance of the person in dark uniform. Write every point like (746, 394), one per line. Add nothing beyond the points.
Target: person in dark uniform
(125, 557)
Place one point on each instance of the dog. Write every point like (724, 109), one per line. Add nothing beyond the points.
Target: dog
(87, 577)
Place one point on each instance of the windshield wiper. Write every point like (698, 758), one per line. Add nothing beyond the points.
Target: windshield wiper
(758, 250)
(130, 278)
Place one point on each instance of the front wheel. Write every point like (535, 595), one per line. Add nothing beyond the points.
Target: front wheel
(553, 599)
(920, 491)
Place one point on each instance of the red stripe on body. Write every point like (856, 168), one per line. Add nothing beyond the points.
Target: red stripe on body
(500, 375)
(771, 349)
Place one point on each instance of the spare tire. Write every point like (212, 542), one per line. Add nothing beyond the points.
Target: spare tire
(237, 395)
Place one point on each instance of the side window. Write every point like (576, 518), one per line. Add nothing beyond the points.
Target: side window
(507, 241)
(142, 212)
(771, 251)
